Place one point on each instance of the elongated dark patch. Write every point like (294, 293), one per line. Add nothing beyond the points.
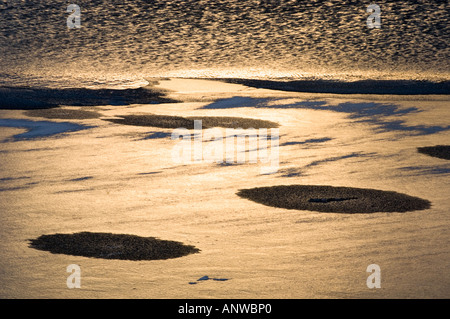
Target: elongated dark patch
(112, 246)
(168, 121)
(60, 113)
(334, 199)
(440, 151)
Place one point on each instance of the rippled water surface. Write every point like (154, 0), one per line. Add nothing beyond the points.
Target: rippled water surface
(130, 40)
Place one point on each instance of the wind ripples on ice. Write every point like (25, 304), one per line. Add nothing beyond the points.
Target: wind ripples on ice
(202, 37)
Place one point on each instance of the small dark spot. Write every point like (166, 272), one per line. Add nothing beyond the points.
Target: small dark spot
(327, 200)
(149, 173)
(205, 278)
(80, 179)
(155, 135)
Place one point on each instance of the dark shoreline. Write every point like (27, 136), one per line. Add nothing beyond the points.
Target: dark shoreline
(388, 87)
(439, 151)
(25, 98)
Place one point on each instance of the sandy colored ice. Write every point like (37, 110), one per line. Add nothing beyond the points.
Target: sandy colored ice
(264, 252)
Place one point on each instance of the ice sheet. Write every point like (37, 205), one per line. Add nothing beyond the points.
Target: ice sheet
(115, 178)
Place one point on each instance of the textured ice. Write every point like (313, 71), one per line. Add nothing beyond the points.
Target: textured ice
(36, 129)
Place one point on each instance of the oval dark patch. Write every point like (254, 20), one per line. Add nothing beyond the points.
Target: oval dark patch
(112, 246)
(334, 199)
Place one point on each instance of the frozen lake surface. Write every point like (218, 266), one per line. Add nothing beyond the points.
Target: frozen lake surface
(122, 179)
